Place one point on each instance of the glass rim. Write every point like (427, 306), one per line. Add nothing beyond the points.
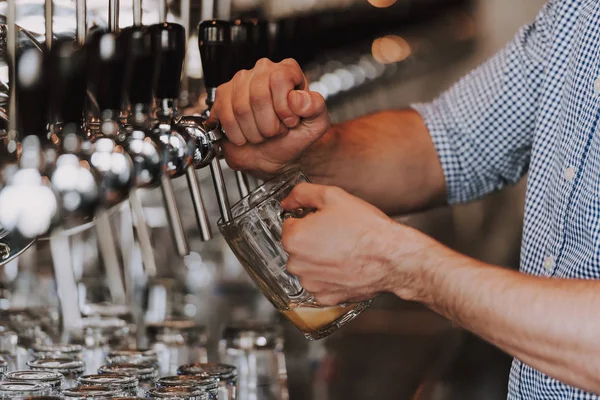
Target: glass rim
(122, 381)
(286, 177)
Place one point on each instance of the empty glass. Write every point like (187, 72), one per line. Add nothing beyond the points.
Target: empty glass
(91, 392)
(226, 374)
(146, 373)
(11, 352)
(71, 368)
(132, 356)
(54, 380)
(209, 385)
(56, 350)
(257, 352)
(10, 390)
(177, 393)
(254, 235)
(125, 383)
(177, 342)
(98, 337)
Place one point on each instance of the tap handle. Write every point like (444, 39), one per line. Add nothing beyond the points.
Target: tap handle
(107, 69)
(32, 93)
(263, 39)
(68, 64)
(214, 42)
(171, 43)
(143, 57)
(243, 51)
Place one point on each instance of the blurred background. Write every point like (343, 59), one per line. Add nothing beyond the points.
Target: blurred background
(363, 56)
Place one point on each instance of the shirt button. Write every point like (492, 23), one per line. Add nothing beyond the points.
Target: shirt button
(549, 263)
(597, 85)
(569, 174)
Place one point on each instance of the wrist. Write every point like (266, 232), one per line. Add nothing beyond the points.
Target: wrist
(317, 159)
(417, 262)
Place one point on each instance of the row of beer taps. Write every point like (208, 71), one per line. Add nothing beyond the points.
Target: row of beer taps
(95, 119)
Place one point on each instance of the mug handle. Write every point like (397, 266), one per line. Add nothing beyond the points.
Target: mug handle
(296, 213)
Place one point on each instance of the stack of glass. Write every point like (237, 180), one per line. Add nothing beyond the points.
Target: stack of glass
(132, 356)
(225, 374)
(10, 390)
(57, 350)
(208, 384)
(177, 342)
(98, 337)
(178, 393)
(145, 373)
(125, 383)
(71, 368)
(91, 392)
(54, 380)
(257, 352)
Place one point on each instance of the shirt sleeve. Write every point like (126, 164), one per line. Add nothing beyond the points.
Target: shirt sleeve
(483, 127)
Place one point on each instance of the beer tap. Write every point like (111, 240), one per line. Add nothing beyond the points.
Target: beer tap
(12, 244)
(225, 48)
(106, 73)
(28, 205)
(180, 144)
(77, 183)
(144, 148)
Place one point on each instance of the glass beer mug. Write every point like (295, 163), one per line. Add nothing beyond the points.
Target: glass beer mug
(254, 235)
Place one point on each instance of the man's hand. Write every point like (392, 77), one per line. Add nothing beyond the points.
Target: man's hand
(269, 116)
(348, 250)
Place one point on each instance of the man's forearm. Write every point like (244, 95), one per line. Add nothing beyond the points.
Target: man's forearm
(549, 324)
(386, 158)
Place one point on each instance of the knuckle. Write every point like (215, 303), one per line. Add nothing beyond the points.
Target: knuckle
(260, 98)
(272, 130)
(332, 192)
(241, 75)
(255, 139)
(241, 109)
(290, 62)
(263, 63)
(220, 92)
(280, 75)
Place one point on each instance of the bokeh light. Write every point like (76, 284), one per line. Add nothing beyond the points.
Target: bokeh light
(390, 49)
(382, 3)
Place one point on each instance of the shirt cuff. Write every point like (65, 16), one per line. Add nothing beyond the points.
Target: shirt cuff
(447, 154)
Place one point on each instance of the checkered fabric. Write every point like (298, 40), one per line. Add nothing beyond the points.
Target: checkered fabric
(534, 107)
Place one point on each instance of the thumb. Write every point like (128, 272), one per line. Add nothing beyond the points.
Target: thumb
(305, 195)
(307, 104)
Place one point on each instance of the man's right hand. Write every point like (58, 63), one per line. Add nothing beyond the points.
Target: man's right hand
(269, 116)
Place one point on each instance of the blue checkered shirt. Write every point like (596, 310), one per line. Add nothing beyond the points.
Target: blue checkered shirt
(534, 108)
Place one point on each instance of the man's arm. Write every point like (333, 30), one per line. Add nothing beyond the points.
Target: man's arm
(273, 122)
(549, 324)
(387, 159)
(348, 250)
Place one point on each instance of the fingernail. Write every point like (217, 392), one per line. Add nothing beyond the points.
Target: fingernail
(302, 99)
(291, 122)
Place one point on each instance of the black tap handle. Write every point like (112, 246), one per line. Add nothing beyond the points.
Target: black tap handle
(107, 69)
(33, 102)
(214, 41)
(243, 50)
(171, 43)
(143, 57)
(258, 37)
(68, 66)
